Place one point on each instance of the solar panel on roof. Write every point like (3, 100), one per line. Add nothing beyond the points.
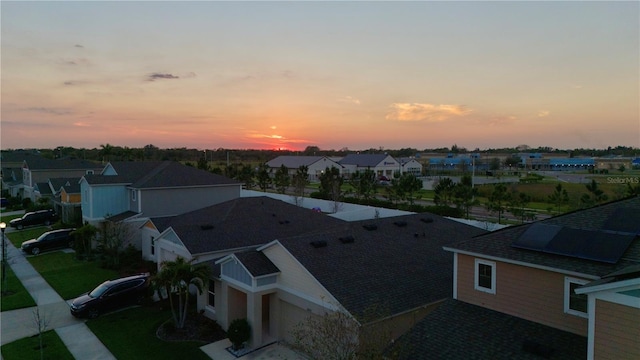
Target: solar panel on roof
(624, 220)
(601, 246)
(536, 237)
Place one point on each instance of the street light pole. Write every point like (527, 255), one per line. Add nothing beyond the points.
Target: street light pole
(4, 258)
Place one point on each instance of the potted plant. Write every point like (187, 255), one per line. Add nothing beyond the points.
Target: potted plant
(239, 332)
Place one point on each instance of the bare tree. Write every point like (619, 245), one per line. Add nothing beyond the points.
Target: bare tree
(332, 336)
(41, 323)
(300, 181)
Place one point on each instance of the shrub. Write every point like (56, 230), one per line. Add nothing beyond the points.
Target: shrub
(239, 332)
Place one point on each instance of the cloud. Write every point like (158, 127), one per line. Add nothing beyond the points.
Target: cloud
(424, 112)
(156, 76)
(349, 99)
(81, 124)
(77, 62)
(78, 46)
(543, 113)
(46, 110)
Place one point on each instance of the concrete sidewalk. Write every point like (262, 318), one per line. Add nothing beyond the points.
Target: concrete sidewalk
(21, 323)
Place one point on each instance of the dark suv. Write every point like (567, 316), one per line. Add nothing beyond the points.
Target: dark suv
(45, 217)
(55, 239)
(111, 295)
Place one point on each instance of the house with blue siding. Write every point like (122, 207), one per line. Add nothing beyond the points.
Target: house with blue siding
(154, 188)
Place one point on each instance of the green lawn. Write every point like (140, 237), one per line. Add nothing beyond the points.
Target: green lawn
(17, 237)
(29, 348)
(18, 297)
(6, 218)
(70, 277)
(131, 334)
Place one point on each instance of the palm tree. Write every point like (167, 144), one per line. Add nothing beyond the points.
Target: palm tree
(176, 277)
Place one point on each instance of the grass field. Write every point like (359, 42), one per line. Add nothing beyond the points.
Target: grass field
(17, 296)
(17, 237)
(29, 348)
(140, 341)
(68, 276)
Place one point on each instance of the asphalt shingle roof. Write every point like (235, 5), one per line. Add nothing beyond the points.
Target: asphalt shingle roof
(404, 259)
(293, 162)
(72, 187)
(457, 330)
(363, 160)
(159, 174)
(257, 263)
(243, 222)
(498, 243)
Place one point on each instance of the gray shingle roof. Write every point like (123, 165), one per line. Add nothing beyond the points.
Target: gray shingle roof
(257, 263)
(457, 330)
(39, 163)
(294, 162)
(498, 243)
(363, 160)
(243, 222)
(70, 185)
(405, 260)
(159, 174)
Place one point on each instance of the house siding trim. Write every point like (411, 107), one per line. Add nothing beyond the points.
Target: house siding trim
(522, 263)
(455, 276)
(567, 296)
(476, 276)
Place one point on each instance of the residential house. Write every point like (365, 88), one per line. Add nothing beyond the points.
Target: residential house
(67, 200)
(316, 165)
(36, 169)
(276, 264)
(382, 164)
(561, 273)
(148, 189)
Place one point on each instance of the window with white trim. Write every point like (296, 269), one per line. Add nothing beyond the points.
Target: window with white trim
(133, 195)
(574, 304)
(485, 276)
(212, 293)
(153, 245)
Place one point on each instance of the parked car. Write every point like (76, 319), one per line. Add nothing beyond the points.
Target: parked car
(50, 240)
(111, 295)
(40, 217)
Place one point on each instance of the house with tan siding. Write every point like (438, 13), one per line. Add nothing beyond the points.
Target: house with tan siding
(548, 273)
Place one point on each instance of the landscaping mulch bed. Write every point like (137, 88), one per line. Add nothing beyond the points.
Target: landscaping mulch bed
(197, 327)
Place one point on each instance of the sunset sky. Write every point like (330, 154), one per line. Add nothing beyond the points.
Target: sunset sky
(357, 75)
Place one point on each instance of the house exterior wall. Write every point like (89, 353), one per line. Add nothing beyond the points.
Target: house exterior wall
(525, 292)
(316, 169)
(103, 200)
(159, 202)
(149, 234)
(70, 198)
(617, 331)
(412, 167)
(293, 277)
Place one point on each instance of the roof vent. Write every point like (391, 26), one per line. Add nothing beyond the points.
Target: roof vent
(347, 239)
(370, 227)
(206, 227)
(400, 223)
(319, 243)
(535, 348)
(427, 220)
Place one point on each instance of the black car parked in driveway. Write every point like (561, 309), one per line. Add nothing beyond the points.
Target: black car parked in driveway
(46, 217)
(111, 295)
(55, 239)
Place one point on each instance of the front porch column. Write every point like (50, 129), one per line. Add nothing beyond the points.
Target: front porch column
(254, 316)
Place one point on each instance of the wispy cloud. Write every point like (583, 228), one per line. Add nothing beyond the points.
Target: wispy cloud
(48, 110)
(81, 124)
(425, 112)
(160, 76)
(543, 113)
(350, 99)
